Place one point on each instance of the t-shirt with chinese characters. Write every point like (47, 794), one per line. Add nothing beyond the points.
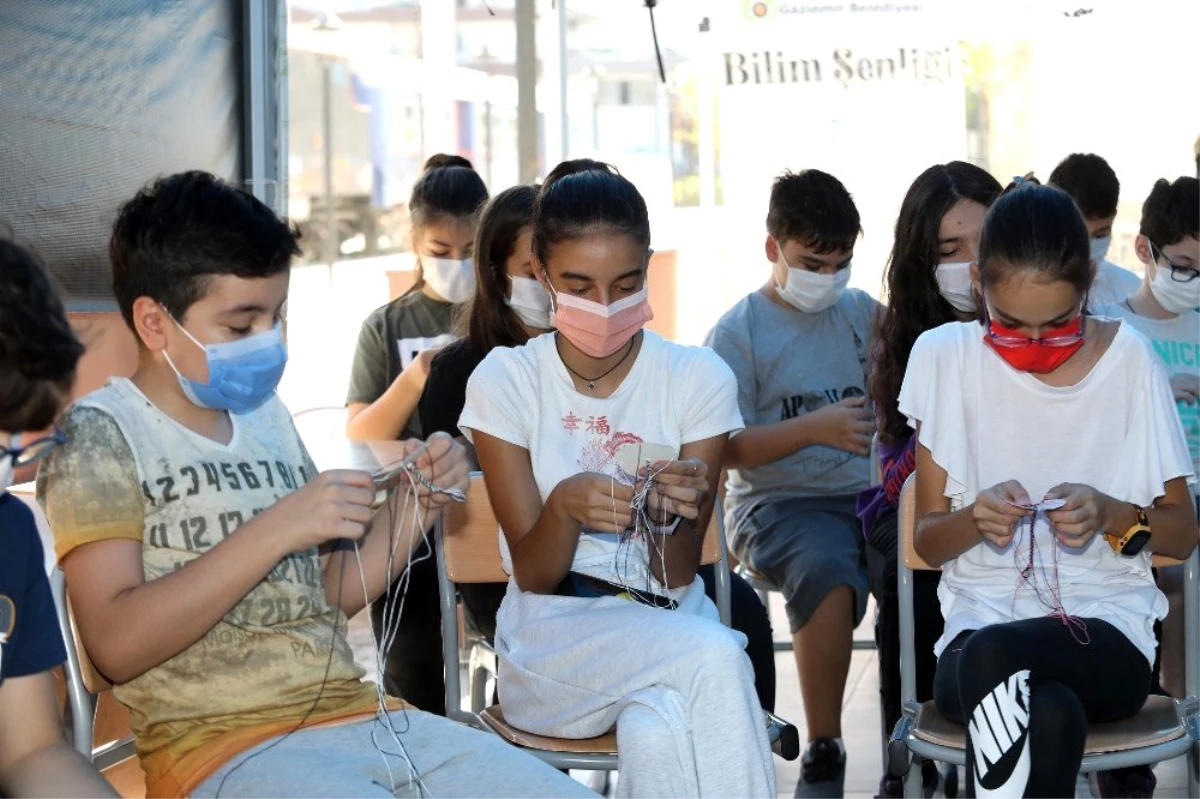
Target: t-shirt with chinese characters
(673, 395)
(129, 471)
(1176, 342)
(789, 363)
(391, 337)
(30, 641)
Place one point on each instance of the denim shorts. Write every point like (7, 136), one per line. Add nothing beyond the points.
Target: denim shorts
(806, 546)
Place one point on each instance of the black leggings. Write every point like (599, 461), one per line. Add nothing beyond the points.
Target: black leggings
(1028, 691)
(414, 668)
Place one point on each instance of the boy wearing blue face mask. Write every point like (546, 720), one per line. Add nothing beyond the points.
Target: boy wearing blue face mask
(1094, 187)
(798, 347)
(205, 554)
(38, 355)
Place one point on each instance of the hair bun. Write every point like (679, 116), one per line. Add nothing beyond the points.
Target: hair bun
(443, 160)
(1021, 182)
(577, 166)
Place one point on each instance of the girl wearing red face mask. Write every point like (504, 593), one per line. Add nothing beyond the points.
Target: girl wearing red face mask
(1050, 464)
(601, 628)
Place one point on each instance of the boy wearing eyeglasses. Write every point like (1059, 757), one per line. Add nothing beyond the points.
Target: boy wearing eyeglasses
(38, 354)
(1164, 310)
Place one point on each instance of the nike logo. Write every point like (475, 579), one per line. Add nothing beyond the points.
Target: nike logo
(999, 730)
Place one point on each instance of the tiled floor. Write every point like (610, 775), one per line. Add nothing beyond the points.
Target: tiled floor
(861, 720)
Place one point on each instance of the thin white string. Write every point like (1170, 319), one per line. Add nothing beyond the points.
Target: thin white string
(642, 529)
(393, 612)
(383, 718)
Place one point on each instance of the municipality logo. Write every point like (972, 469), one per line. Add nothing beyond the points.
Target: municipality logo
(758, 9)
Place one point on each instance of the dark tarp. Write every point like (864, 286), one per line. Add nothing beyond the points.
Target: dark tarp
(96, 98)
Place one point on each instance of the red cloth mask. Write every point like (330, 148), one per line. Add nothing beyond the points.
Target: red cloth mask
(1034, 354)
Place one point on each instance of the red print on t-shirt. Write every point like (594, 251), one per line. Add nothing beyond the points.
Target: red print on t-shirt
(598, 425)
(571, 422)
(600, 453)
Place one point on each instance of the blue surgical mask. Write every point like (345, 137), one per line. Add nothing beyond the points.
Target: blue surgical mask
(242, 374)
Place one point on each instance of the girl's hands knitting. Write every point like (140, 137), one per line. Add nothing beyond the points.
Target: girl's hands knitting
(678, 489)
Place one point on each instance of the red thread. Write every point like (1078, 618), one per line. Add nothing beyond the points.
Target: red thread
(1027, 576)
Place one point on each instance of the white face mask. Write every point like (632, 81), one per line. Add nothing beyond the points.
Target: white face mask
(453, 280)
(1100, 247)
(954, 283)
(1173, 296)
(812, 292)
(531, 302)
(6, 465)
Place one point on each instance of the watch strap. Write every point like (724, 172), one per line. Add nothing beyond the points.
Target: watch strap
(1142, 525)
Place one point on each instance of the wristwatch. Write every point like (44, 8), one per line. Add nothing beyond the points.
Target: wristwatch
(1135, 537)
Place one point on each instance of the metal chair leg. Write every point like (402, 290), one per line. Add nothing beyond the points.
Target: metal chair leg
(913, 783)
(480, 666)
(1194, 771)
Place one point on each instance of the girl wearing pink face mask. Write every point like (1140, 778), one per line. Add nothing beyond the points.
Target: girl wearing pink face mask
(600, 628)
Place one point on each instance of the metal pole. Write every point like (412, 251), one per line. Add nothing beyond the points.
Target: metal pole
(487, 135)
(527, 127)
(563, 75)
(706, 95)
(331, 242)
(256, 169)
(283, 114)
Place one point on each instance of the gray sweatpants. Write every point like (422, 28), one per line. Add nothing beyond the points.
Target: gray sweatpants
(341, 761)
(676, 684)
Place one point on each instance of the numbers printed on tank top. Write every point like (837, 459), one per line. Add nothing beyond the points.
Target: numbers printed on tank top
(193, 480)
(215, 487)
(262, 611)
(195, 533)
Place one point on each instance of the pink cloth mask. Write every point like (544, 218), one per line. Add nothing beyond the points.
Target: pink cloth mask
(600, 330)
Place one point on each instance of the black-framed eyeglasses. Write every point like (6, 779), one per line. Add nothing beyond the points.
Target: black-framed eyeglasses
(34, 451)
(1180, 274)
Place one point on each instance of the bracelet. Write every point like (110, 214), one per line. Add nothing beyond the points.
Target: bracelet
(667, 528)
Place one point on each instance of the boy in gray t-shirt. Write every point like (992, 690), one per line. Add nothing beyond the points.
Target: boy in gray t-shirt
(798, 347)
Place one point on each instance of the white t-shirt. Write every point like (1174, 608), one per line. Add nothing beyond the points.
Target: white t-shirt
(985, 422)
(1112, 284)
(1176, 342)
(673, 395)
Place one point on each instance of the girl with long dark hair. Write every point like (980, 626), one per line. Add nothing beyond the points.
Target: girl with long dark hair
(397, 342)
(928, 284)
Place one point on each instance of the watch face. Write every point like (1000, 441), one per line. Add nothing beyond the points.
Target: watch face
(1135, 544)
